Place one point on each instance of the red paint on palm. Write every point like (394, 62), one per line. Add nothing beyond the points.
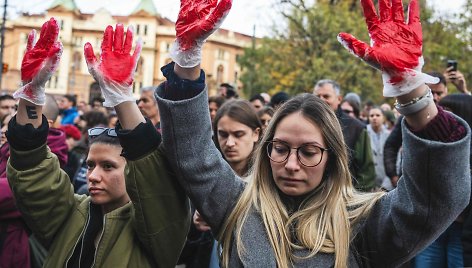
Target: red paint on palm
(117, 67)
(46, 47)
(116, 64)
(197, 20)
(396, 45)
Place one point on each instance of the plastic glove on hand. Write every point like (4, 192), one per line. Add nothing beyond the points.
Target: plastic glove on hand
(39, 63)
(197, 20)
(396, 46)
(115, 70)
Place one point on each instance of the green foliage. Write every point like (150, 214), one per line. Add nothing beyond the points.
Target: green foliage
(305, 49)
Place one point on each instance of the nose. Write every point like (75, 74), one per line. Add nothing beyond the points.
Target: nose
(95, 176)
(230, 141)
(292, 163)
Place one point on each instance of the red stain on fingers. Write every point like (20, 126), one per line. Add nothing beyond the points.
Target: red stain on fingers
(197, 20)
(36, 56)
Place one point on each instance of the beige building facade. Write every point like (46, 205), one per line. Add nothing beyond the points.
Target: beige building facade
(219, 61)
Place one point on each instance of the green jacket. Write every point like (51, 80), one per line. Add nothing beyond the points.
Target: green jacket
(150, 231)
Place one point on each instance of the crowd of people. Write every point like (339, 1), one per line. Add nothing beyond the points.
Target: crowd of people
(178, 178)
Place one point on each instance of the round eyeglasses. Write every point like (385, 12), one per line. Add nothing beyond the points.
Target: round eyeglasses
(309, 155)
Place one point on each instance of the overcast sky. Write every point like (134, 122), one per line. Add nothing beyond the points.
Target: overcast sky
(243, 16)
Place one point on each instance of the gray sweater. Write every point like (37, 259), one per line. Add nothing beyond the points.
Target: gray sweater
(434, 190)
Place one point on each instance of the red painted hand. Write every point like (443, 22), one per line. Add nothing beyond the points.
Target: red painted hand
(115, 70)
(396, 46)
(39, 62)
(199, 19)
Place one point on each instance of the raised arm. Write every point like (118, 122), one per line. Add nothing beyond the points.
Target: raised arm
(42, 190)
(435, 185)
(186, 129)
(162, 213)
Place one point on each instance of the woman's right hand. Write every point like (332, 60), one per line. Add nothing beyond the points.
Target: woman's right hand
(200, 223)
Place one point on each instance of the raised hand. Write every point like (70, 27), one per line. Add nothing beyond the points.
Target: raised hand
(114, 72)
(396, 46)
(197, 20)
(39, 63)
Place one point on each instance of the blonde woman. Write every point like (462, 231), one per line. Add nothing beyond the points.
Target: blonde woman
(300, 208)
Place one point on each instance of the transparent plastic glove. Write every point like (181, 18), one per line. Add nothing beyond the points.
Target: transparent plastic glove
(197, 20)
(115, 70)
(395, 46)
(39, 63)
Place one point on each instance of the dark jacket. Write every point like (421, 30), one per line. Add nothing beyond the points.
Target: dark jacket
(361, 163)
(147, 232)
(391, 149)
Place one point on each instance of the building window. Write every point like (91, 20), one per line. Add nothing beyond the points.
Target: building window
(167, 47)
(221, 54)
(76, 60)
(219, 74)
(145, 29)
(139, 66)
(137, 29)
(62, 24)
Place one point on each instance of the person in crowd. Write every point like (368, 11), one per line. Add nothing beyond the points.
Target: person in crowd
(390, 119)
(20, 249)
(96, 103)
(348, 108)
(7, 105)
(355, 136)
(278, 99)
(457, 79)
(214, 103)
(67, 104)
(74, 156)
(257, 101)
(100, 230)
(453, 248)
(236, 132)
(148, 106)
(300, 207)
(3, 127)
(227, 91)
(378, 133)
(351, 104)
(265, 115)
(266, 97)
(385, 107)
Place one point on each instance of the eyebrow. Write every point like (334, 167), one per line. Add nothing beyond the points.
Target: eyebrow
(305, 143)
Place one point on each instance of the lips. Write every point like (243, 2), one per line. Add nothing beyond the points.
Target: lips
(231, 153)
(291, 180)
(95, 190)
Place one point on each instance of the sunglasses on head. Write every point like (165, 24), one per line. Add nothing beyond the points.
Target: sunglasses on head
(97, 131)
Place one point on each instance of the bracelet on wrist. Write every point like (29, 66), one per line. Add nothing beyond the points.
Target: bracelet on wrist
(415, 105)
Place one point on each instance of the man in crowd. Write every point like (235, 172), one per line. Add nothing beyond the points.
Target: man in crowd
(355, 136)
(147, 104)
(7, 105)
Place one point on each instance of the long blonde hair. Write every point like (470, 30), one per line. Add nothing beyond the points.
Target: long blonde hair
(324, 220)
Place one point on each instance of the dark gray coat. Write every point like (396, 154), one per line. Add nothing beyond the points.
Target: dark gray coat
(403, 222)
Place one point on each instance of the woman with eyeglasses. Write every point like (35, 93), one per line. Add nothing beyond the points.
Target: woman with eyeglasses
(135, 216)
(300, 209)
